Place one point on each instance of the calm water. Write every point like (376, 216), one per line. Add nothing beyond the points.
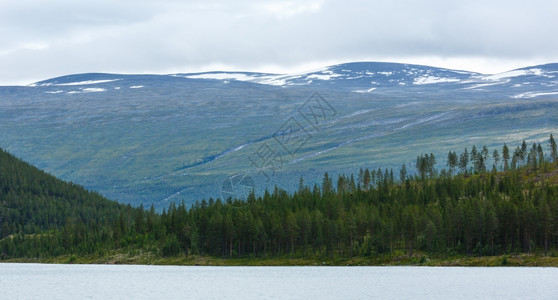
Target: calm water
(41, 281)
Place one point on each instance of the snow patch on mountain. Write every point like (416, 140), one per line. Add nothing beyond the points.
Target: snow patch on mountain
(481, 85)
(427, 79)
(534, 94)
(268, 79)
(86, 82)
(365, 91)
(323, 76)
(87, 90)
(93, 90)
(223, 76)
(273, 80)
(514, 73)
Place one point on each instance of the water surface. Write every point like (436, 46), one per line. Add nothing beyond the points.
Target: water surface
(44, 281)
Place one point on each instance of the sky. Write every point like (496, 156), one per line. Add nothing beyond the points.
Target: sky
(45, 39)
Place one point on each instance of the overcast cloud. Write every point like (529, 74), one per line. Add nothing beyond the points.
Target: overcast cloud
(43, 39)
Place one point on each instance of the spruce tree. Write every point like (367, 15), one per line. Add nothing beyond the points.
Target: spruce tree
(366, 180)
(464, 161)
(506, 156)
(496, 157)
(553, 150)
(403, 173)
(523, 151)
(484, 153)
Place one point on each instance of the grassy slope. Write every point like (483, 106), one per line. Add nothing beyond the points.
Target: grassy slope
(131, 145)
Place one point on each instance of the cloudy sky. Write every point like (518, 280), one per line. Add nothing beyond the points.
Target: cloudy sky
(43, 39)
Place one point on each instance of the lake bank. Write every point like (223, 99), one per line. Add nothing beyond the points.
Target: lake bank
(519, 260)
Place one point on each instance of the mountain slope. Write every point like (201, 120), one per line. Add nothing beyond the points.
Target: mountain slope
(32, 201)
(160, 138)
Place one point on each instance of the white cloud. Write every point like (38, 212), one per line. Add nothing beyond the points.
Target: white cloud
(33, 46)
(285, 9)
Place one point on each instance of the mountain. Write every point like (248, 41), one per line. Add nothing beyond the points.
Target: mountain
(161, 138)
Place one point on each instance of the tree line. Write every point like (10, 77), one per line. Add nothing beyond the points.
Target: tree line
(483, 203)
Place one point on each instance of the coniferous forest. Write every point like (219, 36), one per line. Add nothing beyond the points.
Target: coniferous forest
(478, 202)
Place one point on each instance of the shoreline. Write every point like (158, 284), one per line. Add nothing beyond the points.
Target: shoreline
(516, 260)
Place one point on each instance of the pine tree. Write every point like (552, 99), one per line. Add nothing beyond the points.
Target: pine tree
(420, 166)
(423, 165)
(327, 185)
(535, 158)
(484, 153)
(410, 223)
(341, 185)
(553, 149)
(478, 159)
(464, 161)
(452, 161)
(352, 184)
(366, 180)
(506, 156)
(515, 158)
(403, 173)
(496, 157)
(360, 177)
(523, 152)
(300, 185)
(540, 153)
(431, 164)
(139, 222)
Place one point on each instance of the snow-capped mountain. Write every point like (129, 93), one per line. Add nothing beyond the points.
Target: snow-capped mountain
(367, 77)
(360, 77)
(160, 138)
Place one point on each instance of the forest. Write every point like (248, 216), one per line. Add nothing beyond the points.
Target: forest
(483, 203)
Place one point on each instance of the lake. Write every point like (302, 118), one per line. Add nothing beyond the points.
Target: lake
(46, 281)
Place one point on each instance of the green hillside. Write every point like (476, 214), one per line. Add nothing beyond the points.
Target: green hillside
(466, 214)
(61, 216)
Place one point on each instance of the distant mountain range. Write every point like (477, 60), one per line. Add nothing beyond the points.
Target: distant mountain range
(161, 138)
(359, 77)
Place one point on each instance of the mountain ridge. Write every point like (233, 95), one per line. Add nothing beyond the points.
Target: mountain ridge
(357, 77)
(357, 63)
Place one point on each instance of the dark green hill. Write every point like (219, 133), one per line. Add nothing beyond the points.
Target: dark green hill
(41, 215)
(32, 201)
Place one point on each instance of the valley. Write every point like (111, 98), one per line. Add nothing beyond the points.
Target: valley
(144, 139)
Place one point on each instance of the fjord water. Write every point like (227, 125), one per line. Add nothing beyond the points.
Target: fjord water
(42, 281)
